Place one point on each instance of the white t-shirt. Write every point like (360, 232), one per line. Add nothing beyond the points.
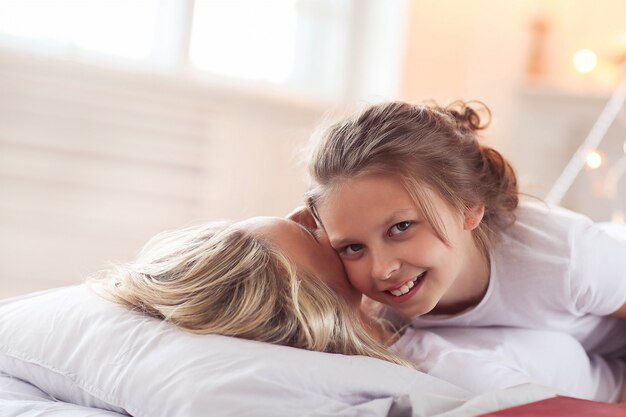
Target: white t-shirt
(554, 270)
(487, 359)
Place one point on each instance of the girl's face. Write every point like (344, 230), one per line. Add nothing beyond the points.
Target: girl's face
(392, 254)
(309, 248)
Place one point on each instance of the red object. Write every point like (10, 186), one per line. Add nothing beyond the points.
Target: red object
(560, 406)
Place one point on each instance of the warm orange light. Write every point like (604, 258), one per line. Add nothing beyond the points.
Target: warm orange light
(585, 60)
(594, 160)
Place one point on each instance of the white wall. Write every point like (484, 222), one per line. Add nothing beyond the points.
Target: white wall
(94, 161)
(480, 50)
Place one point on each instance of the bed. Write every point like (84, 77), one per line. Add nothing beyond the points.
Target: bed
(68, 352)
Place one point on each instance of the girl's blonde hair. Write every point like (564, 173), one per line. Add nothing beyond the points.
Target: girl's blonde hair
(219, 279)
(428, 148)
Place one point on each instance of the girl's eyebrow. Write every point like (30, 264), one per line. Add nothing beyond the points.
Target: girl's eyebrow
(338, 243)
(392, 218)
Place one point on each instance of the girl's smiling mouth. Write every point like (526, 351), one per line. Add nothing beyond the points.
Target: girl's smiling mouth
(408, 289)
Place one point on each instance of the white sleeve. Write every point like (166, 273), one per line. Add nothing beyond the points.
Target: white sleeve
(467, 357)
(494, 358)
(598, 268)
(479, 372)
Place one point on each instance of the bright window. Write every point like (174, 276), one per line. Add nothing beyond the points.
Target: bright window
(249, 39)
(122, 28)
(323, 48)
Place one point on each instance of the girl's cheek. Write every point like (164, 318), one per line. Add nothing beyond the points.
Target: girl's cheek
(426, 247)
(356, 276)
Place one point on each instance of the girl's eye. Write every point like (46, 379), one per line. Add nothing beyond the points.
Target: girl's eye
(399, 228)
(352, 249)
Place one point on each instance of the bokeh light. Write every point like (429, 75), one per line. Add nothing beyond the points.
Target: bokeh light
(594, 160)
(585, 60)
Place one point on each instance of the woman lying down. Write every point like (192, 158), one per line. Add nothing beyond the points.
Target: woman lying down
(277, 281)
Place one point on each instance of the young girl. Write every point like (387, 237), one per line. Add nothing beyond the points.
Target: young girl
(427, 222)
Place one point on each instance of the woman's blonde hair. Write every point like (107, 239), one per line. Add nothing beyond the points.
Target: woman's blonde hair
(428, 148)
(219, 279)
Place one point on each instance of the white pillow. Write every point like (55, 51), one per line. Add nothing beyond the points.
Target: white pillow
(19, 398)
(84, 350)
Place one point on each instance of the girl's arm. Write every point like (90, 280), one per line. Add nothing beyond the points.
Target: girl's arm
(482, 360)
(618, 232)
(598, 263)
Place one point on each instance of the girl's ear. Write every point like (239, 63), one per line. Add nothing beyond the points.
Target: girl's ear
(474, 217)
(302, 215)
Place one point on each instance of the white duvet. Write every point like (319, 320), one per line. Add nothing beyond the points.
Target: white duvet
(66, 351)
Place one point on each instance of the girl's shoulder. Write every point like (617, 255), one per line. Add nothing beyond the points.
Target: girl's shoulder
(544, 225)
(542, 212)
(559, 251)
(533, 218)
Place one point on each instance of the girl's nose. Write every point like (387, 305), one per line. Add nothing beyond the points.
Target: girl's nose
(384, 266)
